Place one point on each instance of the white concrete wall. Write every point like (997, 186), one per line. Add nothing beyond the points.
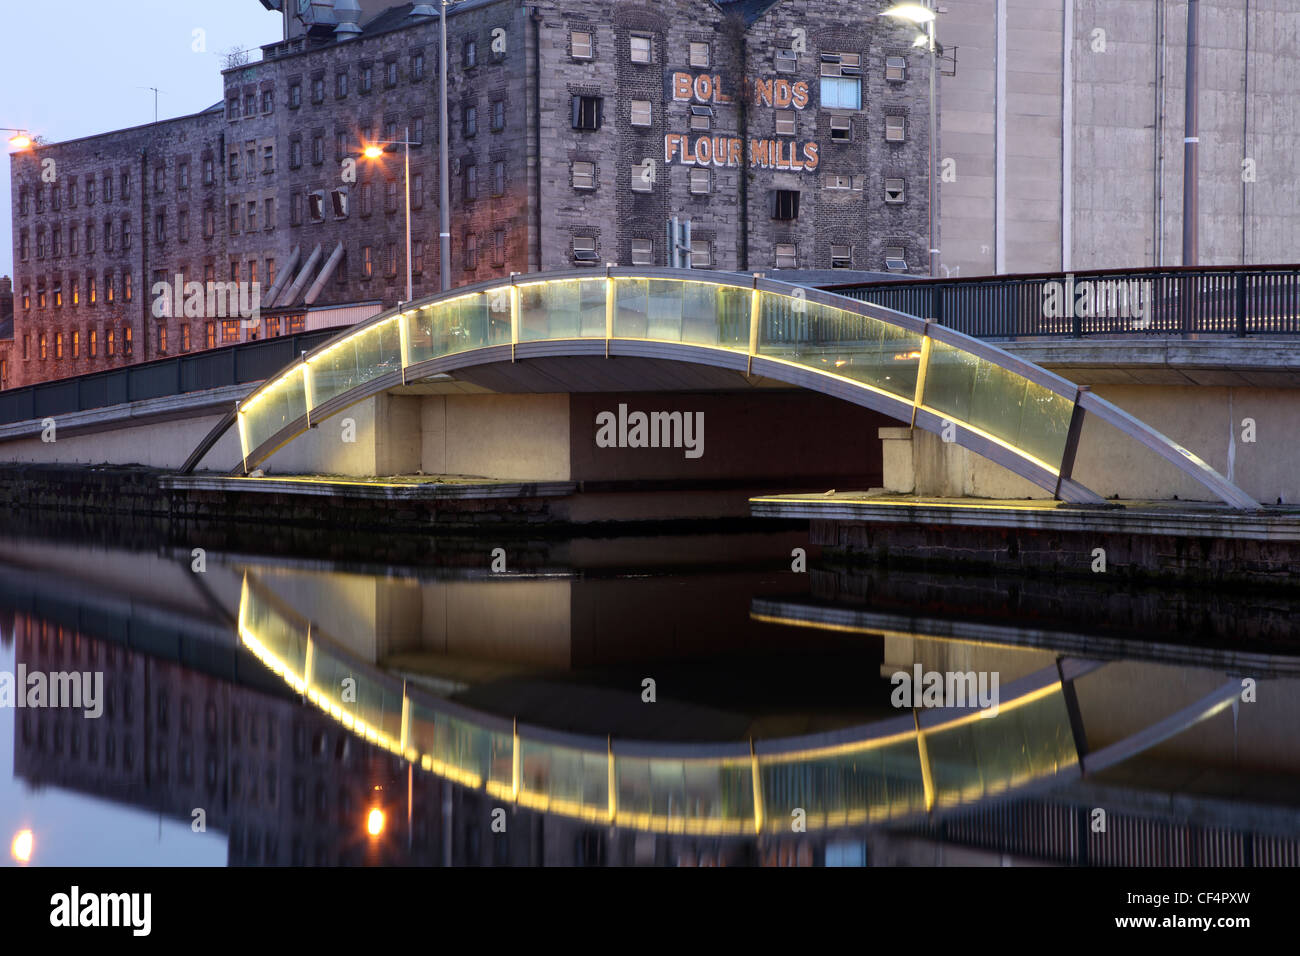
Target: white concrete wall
(156, 445)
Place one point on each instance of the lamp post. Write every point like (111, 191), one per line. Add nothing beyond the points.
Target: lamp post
(375, 151)
(923, 16)
(22, 140)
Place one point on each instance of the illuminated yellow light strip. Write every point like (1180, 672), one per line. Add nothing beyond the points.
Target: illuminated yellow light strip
(243, 438)
(883, 632)
(404, 341)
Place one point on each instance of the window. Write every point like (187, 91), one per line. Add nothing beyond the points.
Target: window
(417, 191)
(701, 254)
(390, 131)
(417, 131)
(108, 191)
(250, 216)
(367, 262)
(234, 165)
(584, 249)
(340, 144)
(841, 81)
(895, 190)
(701, 118)
(584, 175)
(469, 121)
(232, 108)
(126, 235)
(183, 175)
(229, 331)
(417, 67)
(270, 272)
(471, 181)
(126, 186)
(250, 104)
(499, 177)
(44, 349)
(841, 256)
(24, 245)
(587, 112)
(91, 297)
(643, 177)
(367, 198)
(581, 46)
(895, 129)
(211, 337)
(58, 294)
(74, 235)
(471, 251)
(318, 89)
(340, 85)
(162, 338)
(417, 257)
(841, 128)
(40, 195)
(209, 171)
(90, 193)
(24, 200)
(390, 260)
(76, 343)
(895, 69)
(92, 343)
(27, 296)
(317, 149)
(470, 58)
(159, 179)
(58, 345)
(498, 115)
(700, 182)
(390, 195)
(643, 252)
(295, 209)
(787, 255)
(642, 113)
(183, 226)
(785, 123)
(90, 238)
(108, 239)
(295, 153)
(642, 48)
(895, 259)
(699, 54)
(339, 202)
(367, 78)
(76, 290)
(316, 205)
(72, 194)
(160, 228)
(295, 95)
(126, 288)
(110, 343)
(785, 204)
(390, 73)
(209, 221)
(499, 247)
(185, 338)
(268, 159)
(268, 101)
(787, 61)
(40, 243)
(234, 218)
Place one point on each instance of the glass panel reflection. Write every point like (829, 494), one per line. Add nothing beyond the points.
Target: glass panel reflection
(562, 309)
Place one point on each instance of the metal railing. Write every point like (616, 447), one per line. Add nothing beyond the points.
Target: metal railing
(241, 364)
(1209, 300)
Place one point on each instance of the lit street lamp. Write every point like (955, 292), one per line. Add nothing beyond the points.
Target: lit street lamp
(923, 16)
(375, 151)
(22, 139)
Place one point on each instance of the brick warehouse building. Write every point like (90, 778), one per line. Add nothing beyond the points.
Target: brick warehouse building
(790, 133)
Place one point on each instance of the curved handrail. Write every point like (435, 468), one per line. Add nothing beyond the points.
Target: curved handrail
(1002, 407)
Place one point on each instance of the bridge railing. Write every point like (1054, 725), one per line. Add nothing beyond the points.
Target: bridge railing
(1217, 300)
(240, 364)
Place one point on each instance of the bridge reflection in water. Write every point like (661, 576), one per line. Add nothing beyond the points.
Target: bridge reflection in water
(889, 771)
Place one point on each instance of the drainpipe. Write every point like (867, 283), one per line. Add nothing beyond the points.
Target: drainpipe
(1191, 140)
(535, 35)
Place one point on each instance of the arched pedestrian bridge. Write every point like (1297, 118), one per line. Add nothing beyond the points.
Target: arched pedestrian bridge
(1003, 408)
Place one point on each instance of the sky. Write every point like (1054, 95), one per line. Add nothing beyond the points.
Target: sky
(74, 68)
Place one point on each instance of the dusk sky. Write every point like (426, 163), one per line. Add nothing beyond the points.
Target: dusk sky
(81, 67)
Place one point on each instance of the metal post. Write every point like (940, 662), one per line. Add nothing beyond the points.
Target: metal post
(444, 187)
(1191, 140)
(934, 135)
(407, 137)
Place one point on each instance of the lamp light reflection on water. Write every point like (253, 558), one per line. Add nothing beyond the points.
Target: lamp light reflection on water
(21, 848)
(375, 822)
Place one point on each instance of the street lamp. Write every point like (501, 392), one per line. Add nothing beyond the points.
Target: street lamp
(22, 139)
(375, 151)
(923, 16)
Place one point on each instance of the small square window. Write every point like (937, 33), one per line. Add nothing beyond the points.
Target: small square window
(701, 254)
(700, 182)
(895, 69)
(841, 129)
(643, 252)
(587, 112)
(841, 256)
(895, 190)
(700, 54)
(581, 46)
(642, 112)
(785, 204)
(839, 181)
(584, 175)
(787, 61)
(584, 249)
(785, 123)
(701, 118)
(642, 48)
(895, 129)
(895, 259)
(643, 177)
(787, 255)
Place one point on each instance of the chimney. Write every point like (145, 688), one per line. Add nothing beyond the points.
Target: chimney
(348, 13)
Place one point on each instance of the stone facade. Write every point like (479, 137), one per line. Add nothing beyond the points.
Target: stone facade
(566, 150)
